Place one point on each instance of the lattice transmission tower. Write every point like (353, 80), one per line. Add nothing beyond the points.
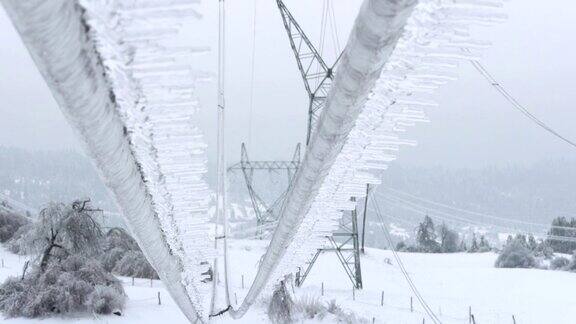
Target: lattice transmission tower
(266, 210)
(317, 77)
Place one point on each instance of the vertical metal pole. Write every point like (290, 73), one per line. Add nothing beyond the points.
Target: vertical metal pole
(364, 216)
(221, 214)
(357, 268)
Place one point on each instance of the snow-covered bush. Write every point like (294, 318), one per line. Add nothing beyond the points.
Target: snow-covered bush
(123, 256)
(516, 255)
(280, 308)
(426, 237)
(134, 264)
(63, 230)
(75, 284)
(106, 300)
(448, 239)
(544, 250)
(562, 227)
(10, 223)
(572, 265)
(18, 242)
(559, 263)
(308, 308)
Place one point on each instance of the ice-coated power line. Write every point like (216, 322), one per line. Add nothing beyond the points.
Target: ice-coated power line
(405, 273)
(442, 215)
(397, 193)
(516, 104)
(130, 97)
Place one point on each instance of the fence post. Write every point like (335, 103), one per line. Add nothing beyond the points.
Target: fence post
(132, 281)
(473, 319)
(242, 281)
(423, 320)
(151, 282)
(382, 299)
(373, 320)
(353, 293)
(322, 288)
(159, 300)
(411, 305)
(469, 314)
(513, 319)
(236, 298)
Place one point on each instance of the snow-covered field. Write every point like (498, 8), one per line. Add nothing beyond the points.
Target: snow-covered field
(450, 284)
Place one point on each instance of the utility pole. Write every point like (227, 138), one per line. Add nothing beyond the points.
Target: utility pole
(365, 211)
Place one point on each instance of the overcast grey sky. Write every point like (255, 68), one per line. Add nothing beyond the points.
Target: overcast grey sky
(533, 55)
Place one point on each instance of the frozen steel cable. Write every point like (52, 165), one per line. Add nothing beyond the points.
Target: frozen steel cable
(380, 89)
(405, 273)
(130, 97)
(445, 216)
(516, 104)
(359, 132)
(378, 27)
(397, 193)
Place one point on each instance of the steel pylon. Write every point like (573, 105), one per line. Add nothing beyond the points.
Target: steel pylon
(317, 77)
(266, 211)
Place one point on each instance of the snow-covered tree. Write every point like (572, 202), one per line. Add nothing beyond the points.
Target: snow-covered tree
(63, 230)
(426, 236)
(559, 263)
(448, 239)
(123, 256)
(572, 265)
(562, 227)
(473, 245)
(516, 255)
(72, 285)
(484, 245)
(10, 223)
(281, 306)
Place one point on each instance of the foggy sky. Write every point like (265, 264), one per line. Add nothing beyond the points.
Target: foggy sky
(533, 55)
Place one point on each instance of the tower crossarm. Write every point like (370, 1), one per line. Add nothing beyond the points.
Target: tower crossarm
(311, 65)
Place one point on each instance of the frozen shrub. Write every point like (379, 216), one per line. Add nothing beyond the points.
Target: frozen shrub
(401, 246)
(111, 257)
(75, 284)
(544, 250)
(119, 238)
(10, 223)
(484, 246)
(281, 306)
(562, 227)
(63, 230)
(134, 264)
(448, 239)
(572, 265)
(123, 256)
(516, 255)
(310, 308)
(559, 263)
(426, 237)
(17, 244)
(105, 300)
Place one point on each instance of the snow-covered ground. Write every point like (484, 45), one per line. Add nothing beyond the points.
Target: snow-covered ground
(450, 283)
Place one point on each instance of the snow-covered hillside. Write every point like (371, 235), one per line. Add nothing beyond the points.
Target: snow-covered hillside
(450, 283)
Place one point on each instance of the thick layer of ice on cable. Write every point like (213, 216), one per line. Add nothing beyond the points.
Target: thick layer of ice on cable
(153, 84)
(431, 46)
(107, 69)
